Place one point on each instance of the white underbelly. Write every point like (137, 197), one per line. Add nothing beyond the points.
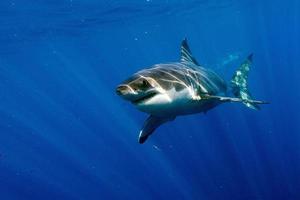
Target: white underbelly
(173, 103)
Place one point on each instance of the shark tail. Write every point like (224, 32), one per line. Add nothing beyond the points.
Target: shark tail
(239, 85)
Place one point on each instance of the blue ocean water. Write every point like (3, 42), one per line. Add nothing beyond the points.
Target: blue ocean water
(65, 134)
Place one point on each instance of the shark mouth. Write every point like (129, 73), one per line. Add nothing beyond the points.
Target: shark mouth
(144, 98)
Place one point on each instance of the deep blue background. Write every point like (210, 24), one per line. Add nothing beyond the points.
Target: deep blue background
(65, 134)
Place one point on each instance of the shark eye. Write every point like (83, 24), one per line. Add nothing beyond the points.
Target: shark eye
(145, 83)
(142, 84)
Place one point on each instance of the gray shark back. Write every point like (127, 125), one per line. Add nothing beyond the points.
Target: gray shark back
(182, 75)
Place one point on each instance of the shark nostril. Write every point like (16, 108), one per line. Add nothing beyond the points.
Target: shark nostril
(121, 89)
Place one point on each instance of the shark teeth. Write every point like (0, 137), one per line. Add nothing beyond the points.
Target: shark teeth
(144, 98)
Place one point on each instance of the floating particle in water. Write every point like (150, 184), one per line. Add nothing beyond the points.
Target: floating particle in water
(156, 147)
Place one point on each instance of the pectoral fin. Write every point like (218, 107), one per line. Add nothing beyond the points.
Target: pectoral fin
(150, 125)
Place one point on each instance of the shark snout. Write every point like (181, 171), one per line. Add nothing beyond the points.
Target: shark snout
(122, 89)
(125, 91)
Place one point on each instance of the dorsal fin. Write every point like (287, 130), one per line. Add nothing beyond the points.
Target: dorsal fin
(186, 54)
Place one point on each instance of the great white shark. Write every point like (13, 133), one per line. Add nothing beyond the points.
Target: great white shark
(168, 90)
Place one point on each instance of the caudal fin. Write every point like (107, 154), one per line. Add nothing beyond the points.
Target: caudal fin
(239, 84)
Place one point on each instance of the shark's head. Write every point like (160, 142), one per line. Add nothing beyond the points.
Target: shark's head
(139, 90)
